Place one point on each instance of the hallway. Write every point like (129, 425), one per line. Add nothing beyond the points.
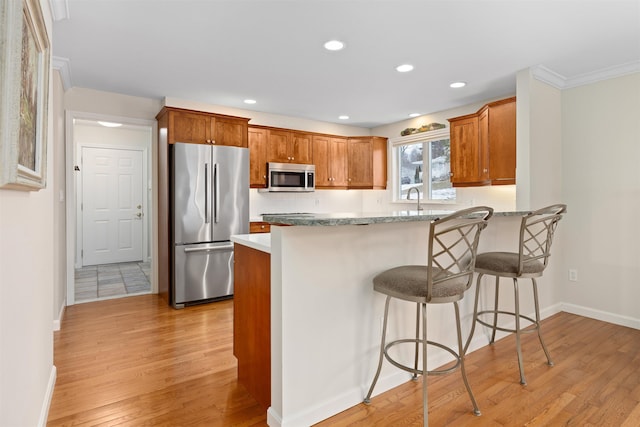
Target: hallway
(106, 281)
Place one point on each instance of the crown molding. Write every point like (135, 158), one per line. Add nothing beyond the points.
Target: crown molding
(546, 75)
(59, 9)
(62, 65)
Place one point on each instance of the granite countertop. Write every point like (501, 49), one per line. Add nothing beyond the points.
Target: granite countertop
(364, 218)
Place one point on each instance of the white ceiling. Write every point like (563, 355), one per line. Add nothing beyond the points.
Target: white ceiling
(224, 51)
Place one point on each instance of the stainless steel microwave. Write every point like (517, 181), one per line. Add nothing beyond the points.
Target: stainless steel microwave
(291, 177)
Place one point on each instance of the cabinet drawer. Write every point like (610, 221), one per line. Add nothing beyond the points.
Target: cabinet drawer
(259, 227)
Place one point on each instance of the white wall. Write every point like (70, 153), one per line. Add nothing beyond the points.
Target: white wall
(601, 185)
(27, 277)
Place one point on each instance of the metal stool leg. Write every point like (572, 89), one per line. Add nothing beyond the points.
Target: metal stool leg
(475, 315)
(523, 381)
(535, 299)
(425, 398)
(367, 399)
(495, 311)
(476, 410)
(414, 377)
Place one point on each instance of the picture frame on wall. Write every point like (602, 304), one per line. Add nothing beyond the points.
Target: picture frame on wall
(25, 56)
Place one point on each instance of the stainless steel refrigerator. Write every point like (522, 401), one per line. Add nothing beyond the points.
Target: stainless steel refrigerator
(209, 203)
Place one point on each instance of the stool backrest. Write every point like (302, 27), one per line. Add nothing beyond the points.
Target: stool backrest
(536, 235)
(453, 245)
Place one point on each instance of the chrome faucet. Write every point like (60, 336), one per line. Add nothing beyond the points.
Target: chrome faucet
(418, 191)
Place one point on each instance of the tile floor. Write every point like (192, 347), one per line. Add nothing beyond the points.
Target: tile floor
(107, 281)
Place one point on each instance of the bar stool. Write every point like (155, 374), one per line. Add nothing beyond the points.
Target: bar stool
(536, 236)
(452, 248)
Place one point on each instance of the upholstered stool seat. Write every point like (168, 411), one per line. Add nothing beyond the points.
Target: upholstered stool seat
(507, 264)
(448, 273)
(534, 249)
(410, 281)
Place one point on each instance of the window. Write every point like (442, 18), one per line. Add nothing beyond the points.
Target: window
(423, 162)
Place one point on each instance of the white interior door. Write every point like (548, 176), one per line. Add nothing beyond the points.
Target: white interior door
(112, 205)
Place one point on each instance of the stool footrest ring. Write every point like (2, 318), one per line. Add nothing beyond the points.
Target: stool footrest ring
(509, 313)
(419, 371)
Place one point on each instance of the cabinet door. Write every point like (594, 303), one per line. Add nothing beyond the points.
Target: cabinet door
(502, 143)
(379, 163)
(321, 160)
(301, 151)
(229, 132)
(338, 165)
(360, 156)
(188, 127)
(278, 146)
(257, 157)
(465, 152)
(483, 144)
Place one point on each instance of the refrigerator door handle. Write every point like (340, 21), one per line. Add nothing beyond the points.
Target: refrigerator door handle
(206, 193)
(216, 183)
(210, 248)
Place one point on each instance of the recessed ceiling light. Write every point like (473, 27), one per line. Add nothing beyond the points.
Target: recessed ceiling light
(404, 68)
(343, 117)
(249, 101)
(110, 124)
(414, 114)
(457, 85)
(334, 45)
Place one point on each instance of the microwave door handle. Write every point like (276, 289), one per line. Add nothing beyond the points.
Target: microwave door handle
(216, 184)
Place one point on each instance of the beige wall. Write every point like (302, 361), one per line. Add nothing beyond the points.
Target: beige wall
(601, 185)
(27, 277)
(59, 203)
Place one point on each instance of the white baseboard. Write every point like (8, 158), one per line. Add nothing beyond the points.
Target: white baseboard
(336, 404)
(58, 321)
(604, 316)
(46, 403)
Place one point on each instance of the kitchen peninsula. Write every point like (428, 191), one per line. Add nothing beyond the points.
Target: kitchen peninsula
(325, 318)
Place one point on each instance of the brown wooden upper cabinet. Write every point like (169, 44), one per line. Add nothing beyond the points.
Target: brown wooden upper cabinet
(367, 162)
(257, 157)
(196, 127)
(330, 158)
(284, 146)
(483, 146)
(341, 162)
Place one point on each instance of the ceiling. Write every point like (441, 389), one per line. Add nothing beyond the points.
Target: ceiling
(225, 51)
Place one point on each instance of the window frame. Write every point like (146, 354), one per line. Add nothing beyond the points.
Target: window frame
(423, 137)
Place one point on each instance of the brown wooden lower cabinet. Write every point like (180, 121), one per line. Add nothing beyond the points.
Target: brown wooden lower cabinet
(252, 321)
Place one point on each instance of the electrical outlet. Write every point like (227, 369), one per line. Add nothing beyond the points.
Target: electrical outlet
(573, 275)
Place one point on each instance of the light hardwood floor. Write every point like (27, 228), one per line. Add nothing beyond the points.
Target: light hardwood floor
(137, 362)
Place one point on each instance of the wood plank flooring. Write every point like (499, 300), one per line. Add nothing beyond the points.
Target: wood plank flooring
(137, 362)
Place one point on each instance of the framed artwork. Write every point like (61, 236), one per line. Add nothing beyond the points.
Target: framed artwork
(24, 95)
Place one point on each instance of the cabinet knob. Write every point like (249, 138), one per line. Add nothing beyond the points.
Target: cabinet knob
(262, 227)
(485, 170)
(264, 176)
(292, 158)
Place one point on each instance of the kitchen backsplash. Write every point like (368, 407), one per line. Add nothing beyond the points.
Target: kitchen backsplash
(501, 198)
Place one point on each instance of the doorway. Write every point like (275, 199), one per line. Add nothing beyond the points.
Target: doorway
(109, 251)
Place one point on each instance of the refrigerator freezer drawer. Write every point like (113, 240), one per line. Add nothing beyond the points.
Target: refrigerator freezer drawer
(202, 271)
